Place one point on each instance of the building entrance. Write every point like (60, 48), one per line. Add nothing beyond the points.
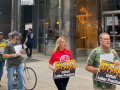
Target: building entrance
(111, 25)
(86, 26)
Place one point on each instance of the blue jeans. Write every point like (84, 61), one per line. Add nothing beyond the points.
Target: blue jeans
(7, 67)
(29, 53)
(1, 68)
(19, 69)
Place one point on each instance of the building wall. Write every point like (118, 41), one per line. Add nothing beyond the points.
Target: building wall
(5, 17)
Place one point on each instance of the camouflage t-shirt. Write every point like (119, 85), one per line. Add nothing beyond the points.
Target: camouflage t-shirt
(13, 61)
(2, 46)
(8, 40)
(94, 60)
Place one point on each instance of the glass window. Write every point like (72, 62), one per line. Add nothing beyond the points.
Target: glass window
(110, 5)
(51, 25)
(42, 10)
(53, 28)
(110, 26)
(86, 24)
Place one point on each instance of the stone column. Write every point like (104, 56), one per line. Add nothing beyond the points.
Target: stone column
(13, 16)
(19, 17)
(67, 27)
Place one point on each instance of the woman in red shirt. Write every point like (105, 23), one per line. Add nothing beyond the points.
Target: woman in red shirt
(60, 54)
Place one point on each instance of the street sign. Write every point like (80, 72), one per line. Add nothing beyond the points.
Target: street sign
(27, 2)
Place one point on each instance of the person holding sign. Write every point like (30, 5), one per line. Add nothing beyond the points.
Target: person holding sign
(2, 60)
(14, 61)
(93, 61)
(60, 54)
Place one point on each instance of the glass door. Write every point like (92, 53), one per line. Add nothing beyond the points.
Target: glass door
(41, 37)
(112, 27)
(117, 31)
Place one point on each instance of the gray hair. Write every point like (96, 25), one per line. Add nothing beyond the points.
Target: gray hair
(104, 33)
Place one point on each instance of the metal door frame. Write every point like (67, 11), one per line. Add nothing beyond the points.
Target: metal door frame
(113, 28)
(43, 36)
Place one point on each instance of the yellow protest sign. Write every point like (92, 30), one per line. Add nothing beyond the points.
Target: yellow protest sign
(64, 69)
(108, 72)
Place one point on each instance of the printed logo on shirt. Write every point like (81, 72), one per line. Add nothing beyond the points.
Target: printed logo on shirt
(31, 35)
(64, 58)
(14, 50)
(2, 45)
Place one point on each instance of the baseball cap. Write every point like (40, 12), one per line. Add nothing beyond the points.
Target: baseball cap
(1, 33)
(10, 33)
(15, 33)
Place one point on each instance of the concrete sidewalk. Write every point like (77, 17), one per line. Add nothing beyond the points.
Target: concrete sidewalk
(39, 62)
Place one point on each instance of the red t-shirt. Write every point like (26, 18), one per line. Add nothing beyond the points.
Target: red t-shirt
(60, 56)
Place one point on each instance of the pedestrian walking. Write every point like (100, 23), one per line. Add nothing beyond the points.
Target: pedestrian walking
(59, 54)
(2, 60)
(14, 61)
(29, 43)
(93, 61)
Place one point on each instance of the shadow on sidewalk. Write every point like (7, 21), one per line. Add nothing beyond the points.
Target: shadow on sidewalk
(30, 60)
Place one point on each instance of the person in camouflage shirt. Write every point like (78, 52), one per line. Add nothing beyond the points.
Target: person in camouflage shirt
(93, 61)
(14, 61)
(2, 60)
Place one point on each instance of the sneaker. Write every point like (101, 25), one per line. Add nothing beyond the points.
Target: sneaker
(28, 57)
(22, 58)
(31, 56)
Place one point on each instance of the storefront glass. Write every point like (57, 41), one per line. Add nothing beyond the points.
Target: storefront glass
(51, 25)
(41, 26)
(111, 21)
(86, 24)
(110, 5)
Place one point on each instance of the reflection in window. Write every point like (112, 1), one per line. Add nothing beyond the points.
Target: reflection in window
(86, 24)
